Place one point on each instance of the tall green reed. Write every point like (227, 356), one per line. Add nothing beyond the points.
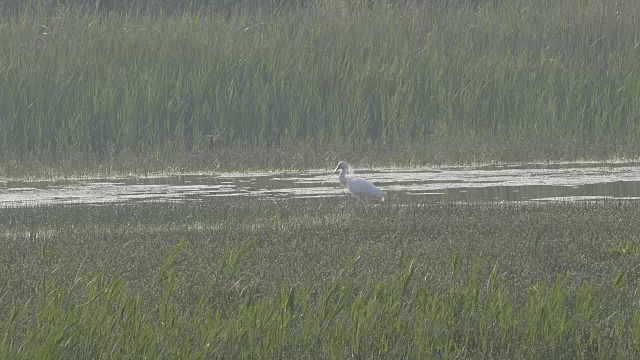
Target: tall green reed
(78, 80)
(350, 316)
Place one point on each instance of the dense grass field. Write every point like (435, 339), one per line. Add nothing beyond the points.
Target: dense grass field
(330, 278)
(155, 76)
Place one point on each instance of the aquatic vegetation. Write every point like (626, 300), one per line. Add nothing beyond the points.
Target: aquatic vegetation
(271, 279)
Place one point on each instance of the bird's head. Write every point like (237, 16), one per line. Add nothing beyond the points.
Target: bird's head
(342, 166)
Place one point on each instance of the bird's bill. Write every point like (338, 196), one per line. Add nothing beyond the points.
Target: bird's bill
(327, 178)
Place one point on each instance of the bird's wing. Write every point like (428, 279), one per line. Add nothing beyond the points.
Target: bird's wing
(360, 186)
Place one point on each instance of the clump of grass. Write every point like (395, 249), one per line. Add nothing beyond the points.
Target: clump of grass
(350, 316)
(323, 277)
(325, 73)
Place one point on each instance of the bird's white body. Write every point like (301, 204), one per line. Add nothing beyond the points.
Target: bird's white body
(358, 187)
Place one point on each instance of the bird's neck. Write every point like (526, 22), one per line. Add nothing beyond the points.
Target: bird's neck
(343, 177)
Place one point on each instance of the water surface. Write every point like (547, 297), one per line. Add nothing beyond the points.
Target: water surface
(525, 182)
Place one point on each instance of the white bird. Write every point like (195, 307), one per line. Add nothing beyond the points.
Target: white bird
(358, 187)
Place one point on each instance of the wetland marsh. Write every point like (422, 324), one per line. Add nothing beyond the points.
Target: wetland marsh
(252, 272)
(506, 135)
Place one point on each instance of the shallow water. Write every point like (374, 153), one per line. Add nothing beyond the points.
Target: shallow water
(528, 182)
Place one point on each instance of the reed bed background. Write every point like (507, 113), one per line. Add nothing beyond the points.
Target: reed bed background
(148, 76)
(241, 278)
